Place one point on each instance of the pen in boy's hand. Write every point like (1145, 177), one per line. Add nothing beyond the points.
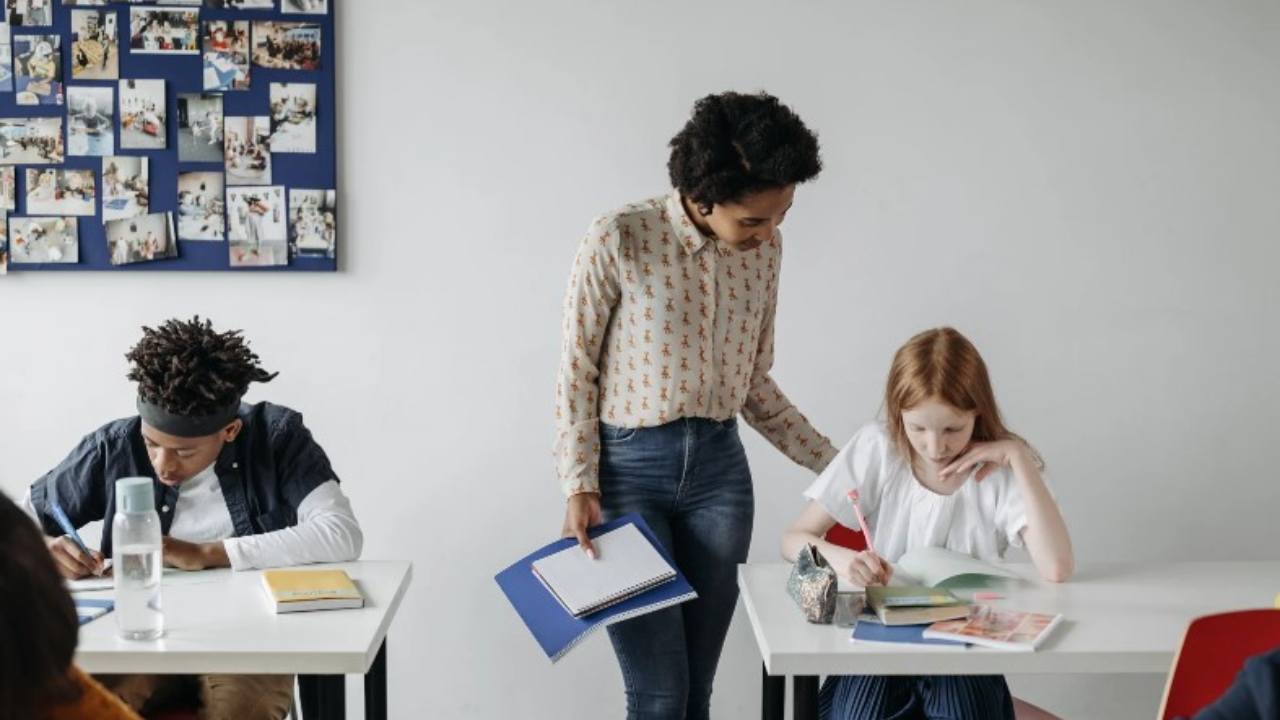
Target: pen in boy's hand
(70, 530)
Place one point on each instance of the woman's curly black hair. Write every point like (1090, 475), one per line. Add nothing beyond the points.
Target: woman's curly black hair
(37, 621)
(737, 144)
(188, 368)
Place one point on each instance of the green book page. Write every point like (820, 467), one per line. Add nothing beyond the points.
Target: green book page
(939, 567)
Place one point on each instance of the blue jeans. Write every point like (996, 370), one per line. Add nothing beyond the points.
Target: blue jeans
(690, 481)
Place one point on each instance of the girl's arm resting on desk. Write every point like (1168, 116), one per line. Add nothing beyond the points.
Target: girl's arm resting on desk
(1046, 534)
(861, 568)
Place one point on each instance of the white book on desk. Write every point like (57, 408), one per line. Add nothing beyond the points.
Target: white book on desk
(627, 564)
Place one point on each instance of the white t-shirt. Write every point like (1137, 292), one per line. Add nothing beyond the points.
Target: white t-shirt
(979, 519)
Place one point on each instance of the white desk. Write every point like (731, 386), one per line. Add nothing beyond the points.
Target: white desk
(218, 621)
(1118, 618)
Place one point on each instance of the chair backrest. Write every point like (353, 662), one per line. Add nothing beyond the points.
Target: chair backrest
(1213, 651)
(844, 537)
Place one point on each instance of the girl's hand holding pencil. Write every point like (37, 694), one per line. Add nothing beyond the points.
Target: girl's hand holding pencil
(866, 568)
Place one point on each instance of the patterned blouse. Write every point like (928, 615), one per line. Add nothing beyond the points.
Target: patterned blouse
(662, 323)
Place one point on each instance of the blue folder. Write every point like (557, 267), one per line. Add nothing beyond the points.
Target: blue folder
(871, 631)
(552, 626)
(88, 609)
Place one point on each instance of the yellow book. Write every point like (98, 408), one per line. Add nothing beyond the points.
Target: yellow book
(301, 590)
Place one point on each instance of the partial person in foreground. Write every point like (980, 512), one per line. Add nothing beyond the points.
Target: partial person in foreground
(38, 627)
(236, 485)
(942, 470)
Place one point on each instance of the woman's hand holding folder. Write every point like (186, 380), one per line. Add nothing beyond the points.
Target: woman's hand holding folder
(582, 512)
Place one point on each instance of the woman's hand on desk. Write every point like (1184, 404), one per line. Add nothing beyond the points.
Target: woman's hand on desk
(582, 511)
(195, 556)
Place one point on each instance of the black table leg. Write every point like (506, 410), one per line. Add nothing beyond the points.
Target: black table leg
(773, 694)
(375, 687)
(324, 697)
(805, 690)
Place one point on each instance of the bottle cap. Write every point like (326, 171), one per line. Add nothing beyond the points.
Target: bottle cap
(135, 494)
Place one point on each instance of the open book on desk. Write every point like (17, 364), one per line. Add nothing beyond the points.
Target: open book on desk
(942, 568)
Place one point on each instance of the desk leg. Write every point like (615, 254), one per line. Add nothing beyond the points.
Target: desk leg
(773, 694)
(804, 688)
(324, 697)
(375, 687)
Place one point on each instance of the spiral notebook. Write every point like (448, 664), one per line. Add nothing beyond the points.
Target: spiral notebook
(548, 618)
(627, 565)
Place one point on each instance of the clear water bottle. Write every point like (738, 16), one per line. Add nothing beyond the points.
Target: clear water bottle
(136, 559)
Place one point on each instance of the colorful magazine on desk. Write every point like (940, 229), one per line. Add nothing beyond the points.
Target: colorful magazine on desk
(548, 617)
(997, 628)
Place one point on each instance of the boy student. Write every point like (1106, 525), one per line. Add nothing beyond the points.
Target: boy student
(236, 485)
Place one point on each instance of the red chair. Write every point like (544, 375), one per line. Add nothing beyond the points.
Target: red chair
(844, 537)
(1213, 651)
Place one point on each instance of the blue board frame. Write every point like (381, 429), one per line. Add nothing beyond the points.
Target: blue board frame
(184, 74)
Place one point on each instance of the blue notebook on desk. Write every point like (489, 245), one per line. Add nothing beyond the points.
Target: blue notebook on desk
(870, 629)
(88, 609)
(552, 624)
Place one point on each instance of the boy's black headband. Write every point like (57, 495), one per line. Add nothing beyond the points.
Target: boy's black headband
(187, 426)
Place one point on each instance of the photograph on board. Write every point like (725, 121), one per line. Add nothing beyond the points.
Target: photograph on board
(91, 125)
(37, 69)
(125, 187)
(164, 31)
(142, 115)
(313, 223)
(43, 240)
(95, 47)
(199, 128)
(256, 226)
(304, 7)
(247, 141)
(59, 191)
(293, 117)
(200, 206)
(6, 58)
(31, 141)
(226, 55)
(286, 45)
(8, 188)
(29, 12)
(241, 4)
(141, 239)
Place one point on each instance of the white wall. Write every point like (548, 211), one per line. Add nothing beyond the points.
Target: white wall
(1087, 189)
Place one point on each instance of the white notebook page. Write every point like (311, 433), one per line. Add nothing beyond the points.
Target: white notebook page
(626, 563)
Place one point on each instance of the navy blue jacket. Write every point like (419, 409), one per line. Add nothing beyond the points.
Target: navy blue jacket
(273, 464)
(1255, 695)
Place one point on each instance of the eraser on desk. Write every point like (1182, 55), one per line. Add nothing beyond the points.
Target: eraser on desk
(987, 596)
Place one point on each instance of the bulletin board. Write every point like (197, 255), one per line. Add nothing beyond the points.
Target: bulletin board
(279, 219)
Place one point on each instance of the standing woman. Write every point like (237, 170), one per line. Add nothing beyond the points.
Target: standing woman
(668, 336)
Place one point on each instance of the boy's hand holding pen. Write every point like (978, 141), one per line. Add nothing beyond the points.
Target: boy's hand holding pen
(75, 560)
